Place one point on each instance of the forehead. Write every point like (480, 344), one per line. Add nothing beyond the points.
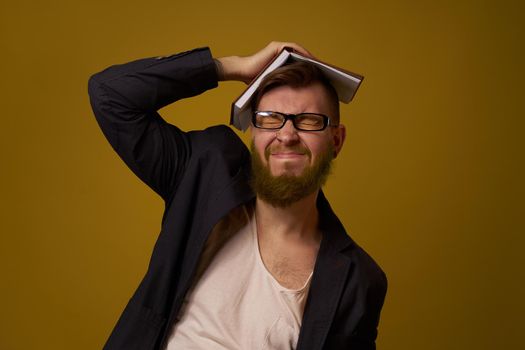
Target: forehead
(287, 99)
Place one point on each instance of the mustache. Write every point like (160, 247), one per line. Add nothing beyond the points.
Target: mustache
(279, 149)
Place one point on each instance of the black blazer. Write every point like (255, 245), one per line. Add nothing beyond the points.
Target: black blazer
(202, 176)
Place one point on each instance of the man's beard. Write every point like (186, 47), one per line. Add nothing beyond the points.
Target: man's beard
(284, 190)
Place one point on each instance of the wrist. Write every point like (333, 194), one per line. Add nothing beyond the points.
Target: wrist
(228, 68)
(219, 69)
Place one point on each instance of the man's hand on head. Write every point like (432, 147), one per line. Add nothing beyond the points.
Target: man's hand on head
(246, 68)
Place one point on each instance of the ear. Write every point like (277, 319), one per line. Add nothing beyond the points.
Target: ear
(338, 137)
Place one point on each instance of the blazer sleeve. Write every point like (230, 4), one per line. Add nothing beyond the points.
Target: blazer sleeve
(125, 99)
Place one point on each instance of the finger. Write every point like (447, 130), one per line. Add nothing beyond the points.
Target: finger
(296, 47)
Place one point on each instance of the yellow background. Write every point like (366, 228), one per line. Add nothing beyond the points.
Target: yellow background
(430, 181)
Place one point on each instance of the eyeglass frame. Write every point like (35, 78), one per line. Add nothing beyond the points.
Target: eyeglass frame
(290, 116)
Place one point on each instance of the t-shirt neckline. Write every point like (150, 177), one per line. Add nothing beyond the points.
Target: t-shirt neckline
(260, 262)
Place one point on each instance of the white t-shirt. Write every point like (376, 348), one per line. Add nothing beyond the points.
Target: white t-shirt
(238, 304)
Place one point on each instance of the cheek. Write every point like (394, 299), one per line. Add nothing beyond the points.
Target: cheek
(263, 139)
(318, 149)
(260, 145)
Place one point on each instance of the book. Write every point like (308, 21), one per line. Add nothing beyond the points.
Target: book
(345, 83)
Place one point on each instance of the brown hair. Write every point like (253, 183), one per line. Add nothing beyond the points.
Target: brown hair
(297, 74)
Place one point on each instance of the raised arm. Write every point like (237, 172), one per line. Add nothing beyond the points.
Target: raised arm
(125, 99)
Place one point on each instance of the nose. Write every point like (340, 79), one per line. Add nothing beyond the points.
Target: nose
(287, 134)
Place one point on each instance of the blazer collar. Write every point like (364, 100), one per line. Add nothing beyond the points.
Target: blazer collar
(330, 274)
(333, 230)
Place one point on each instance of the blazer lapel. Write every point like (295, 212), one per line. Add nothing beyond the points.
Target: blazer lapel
(330, 274)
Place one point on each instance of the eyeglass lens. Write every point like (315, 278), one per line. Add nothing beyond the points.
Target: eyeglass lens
(303, 121)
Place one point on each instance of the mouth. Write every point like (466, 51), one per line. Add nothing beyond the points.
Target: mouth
(287, 155)
(284, 153)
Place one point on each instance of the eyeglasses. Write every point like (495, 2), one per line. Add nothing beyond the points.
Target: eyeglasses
(303, 121)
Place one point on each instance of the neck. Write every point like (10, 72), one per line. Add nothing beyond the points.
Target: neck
(297, 222)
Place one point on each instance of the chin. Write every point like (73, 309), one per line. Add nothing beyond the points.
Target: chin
(287, 172)
(287, 168)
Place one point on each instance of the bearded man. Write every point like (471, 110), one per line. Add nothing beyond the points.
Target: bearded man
(250, 254)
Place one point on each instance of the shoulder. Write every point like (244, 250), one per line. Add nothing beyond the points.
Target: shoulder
(365, 270)
(218, 149)
(219, 137)
(368, 270)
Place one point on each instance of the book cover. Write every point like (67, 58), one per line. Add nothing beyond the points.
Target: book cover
(345, 83)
